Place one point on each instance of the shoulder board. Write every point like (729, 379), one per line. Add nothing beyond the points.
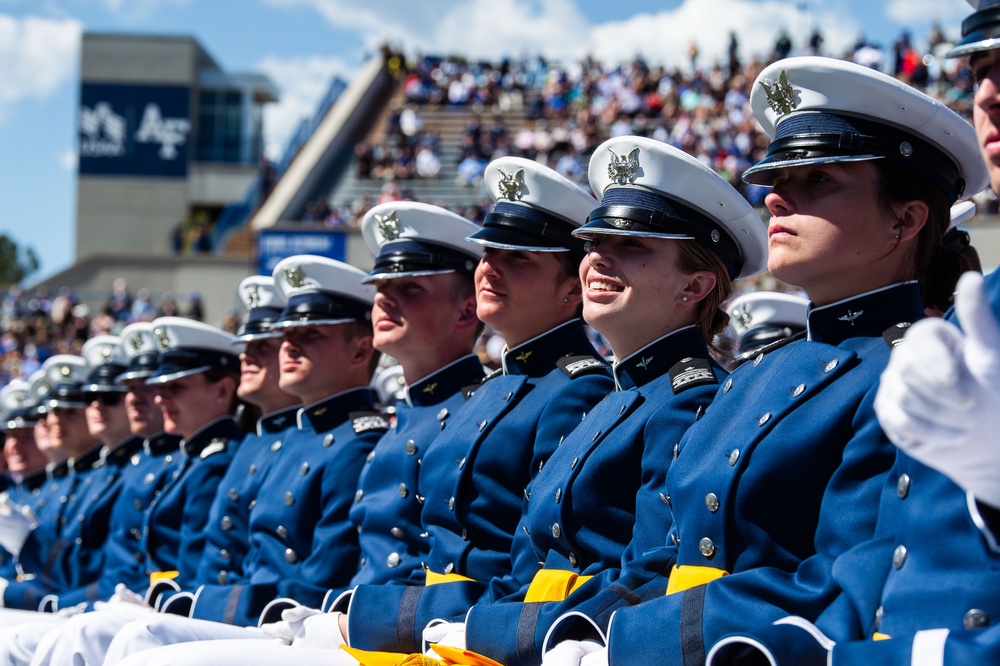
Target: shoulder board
(691, 372)
(770, 347)
(217, 445)
(369, 421)
(578, 366)
(894, 334)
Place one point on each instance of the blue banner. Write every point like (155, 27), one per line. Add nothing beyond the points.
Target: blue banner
(273, 246)
(132, 130)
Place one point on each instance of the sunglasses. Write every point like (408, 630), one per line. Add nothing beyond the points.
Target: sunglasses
(107, 398)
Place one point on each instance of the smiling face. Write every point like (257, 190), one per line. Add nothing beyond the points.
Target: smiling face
(68, 431)
(260, 373)
(634, 290)
(144, 416)
(986, 110)
(522, 294)
(828, 232)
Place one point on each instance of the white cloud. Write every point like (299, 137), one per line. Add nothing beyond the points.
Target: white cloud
(303, 83)
(68, 160)
(37, 56)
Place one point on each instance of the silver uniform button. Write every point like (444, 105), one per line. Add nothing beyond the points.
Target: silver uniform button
(451, 567)
(223, 577)
(403, 492)
(712, 502)
(879, 615)
(764, 419)
(371, 456)
(665, 499)
(830, 366)
(443, 414)
(572, 465)
(396, 532)
(451, 504)
(328, 439)
(798, 390)
(482, 425)
(734, 455)
(461, 463)
(411, 447)
(558, 495)
(728, 385)
(304, 469)
(253, 468)
(760, 357)
(291, 556)
(677, 449)
(233, 495)
(392, 561)
(903, 486)
(674, 539)
(276, 446)
(149, 478)
(289, 498)
(572, 559)
(224, 554)
(976, 619)
(226, 523)
(556, 530)
(707, 547)
(281, 531)
(358, 495)
(899, 556)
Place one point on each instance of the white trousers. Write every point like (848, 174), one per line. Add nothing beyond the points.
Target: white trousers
(161, 629)
(20, 633)
(83, 639)
(242, 652)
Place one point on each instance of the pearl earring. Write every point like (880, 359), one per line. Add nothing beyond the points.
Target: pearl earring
(684, 298)
(896, 236)
(566, 300)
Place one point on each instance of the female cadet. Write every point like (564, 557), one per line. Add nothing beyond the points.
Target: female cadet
(653, 283)
(786, 469)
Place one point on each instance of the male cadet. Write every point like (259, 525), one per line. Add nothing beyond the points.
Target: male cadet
(302, 542)
(926, 590)
(25, 464)
(195, 384)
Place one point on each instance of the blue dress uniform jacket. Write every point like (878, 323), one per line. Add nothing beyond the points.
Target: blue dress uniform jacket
(142, 477)
(302, 542)
(27, 491)
(387, 504)
(68, 552)
(227, 532)
(174, 525)
(600, 491)
(474, 477)
(783, 474)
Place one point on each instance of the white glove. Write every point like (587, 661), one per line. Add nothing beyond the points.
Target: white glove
(306, 627)
(596, 658)
(123, 596)
(15, 526)
(572, 653)
(939, 397)
(451, 634)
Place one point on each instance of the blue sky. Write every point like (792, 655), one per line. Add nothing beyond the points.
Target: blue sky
(301, 44)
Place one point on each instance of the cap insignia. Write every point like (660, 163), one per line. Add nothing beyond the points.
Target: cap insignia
(621, 223)
(295, 276)
(780, 95)
(162, 339)
(134, 341)
(107, 353)
(388, 225)
(742, 315)
(18, 397)
(851, 316)
(511, 186)
(622, 168)
(252, 297)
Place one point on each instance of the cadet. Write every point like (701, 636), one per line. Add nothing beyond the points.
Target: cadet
(25, 464)
(301, 540)
(653, 282)
(195, 383)
(926, 588)
(786, 469)
(760, 318)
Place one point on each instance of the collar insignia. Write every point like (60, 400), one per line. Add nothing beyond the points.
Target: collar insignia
(388, 225)
(511, 186)
(319, 412)
(430, 388)
(780, 95)
(252, 297)
(295, 276)
(851, 316)
(644, 363)
(280, 420)
(623, 168)
(523, 356)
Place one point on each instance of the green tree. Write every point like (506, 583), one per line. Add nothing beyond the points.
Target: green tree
(15, 263)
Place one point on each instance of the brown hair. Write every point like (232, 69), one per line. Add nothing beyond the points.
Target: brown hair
(570, 264)
(694, 257)
(934, 265)
(241, 411)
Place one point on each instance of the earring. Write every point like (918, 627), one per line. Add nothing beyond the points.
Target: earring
(684, 298)
(566, 300)
(896, 236)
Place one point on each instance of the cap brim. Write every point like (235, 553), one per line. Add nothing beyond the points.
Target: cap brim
(103, 388)
(250, 337)
(300, 323)
(975, 42)
(770, 164)
(602, 227)
(156, 378)
(504, 239)
(374, 277)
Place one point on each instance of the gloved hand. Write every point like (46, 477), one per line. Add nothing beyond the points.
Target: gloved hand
(939, 397)
(573, 653)
(16, 524)
(123, 596)
(306, 627)
(451, 634)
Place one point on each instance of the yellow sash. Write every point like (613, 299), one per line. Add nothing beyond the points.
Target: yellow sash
(162, 575)
(450, 656)
(880, 637)
(433, 578)
(685, 577)
(553, 585)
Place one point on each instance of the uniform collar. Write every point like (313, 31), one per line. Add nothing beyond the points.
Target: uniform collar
(867, 314)
(327, 414)
(87, 460)
(161, 443)
(35, 479)
(122, 452)
(444, 382)
(539, 354)
(219, 431)
(276, 421)
(57, 470)
(655, 359)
